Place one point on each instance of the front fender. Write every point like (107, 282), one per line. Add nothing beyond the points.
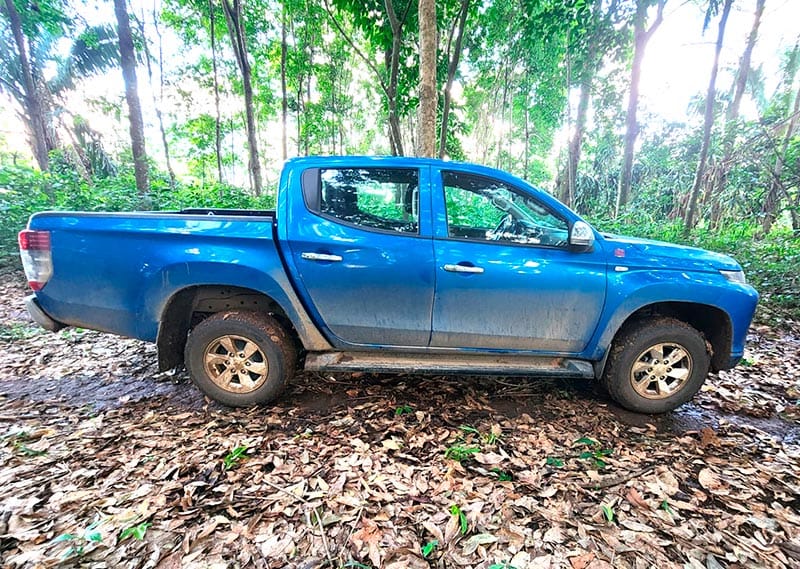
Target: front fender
(629, 292)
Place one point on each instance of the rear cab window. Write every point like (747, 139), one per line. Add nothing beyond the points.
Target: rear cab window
(377, 199)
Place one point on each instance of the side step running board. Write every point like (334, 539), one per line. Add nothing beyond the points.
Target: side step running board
(381, 362)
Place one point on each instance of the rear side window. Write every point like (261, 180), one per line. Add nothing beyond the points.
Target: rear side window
(375, 198)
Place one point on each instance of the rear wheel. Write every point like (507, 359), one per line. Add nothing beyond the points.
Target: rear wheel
(240, 358)
(656, 365)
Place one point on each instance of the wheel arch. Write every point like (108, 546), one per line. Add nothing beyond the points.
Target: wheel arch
(190, 305)
(712, 322)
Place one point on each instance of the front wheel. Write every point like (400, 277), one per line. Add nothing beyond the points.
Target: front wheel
(240, 358)
(656, 365)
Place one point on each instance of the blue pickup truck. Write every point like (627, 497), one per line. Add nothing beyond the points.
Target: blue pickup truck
(394, 265)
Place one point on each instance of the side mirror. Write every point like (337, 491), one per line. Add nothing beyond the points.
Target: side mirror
(581, 235)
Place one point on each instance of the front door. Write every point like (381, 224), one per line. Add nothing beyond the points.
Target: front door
(506, 277)
(364, 264)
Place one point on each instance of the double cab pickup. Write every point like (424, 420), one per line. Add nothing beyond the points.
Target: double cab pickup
(394, 265)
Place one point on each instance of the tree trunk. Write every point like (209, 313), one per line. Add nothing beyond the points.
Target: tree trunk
(526, 159)
(426, 127)
(392, 60)
(394, 117)
(284, 96)
(233, 18)
(707, 123)
(396, 25)
(217, 115)
(34, 109)
(770, 207)
(128, 58)
(298, 117)
(569, 182)
(452, 65)
(157, 101)
(641, 37)
(732, 114)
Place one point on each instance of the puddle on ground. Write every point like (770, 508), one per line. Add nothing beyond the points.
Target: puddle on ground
(101, 393)
(690, 418)
(537, 398)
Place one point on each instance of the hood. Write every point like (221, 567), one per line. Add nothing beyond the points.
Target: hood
(646, 253)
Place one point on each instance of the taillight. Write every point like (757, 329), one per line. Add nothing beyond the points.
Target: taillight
(34, 249)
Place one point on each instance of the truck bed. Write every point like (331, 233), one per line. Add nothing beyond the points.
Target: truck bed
(219, 211)
(115, 271)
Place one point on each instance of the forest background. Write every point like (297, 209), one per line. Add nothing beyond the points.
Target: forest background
(672, 119)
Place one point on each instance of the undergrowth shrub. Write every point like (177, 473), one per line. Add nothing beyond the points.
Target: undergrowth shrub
(25, 190)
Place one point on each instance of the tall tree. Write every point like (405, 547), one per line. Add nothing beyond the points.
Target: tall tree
(590, 38)
(217, 114)
(284, 96)
(453, 55)
(236, 31)
(732, 114)
(388, 38)
(708, 116)
(641, 36)
(92, 49)
(128, 60)
(31, 94)
(157, 100)
(427, 81)
(788, 129)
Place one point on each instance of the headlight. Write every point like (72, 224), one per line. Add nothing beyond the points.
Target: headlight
(734, 276)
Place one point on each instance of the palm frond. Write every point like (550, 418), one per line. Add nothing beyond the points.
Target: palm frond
(94, 51)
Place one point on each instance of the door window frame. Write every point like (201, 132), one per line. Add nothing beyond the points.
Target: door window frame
(442, 228)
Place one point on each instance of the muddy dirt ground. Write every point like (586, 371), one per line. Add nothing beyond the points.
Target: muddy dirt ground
(108, 463)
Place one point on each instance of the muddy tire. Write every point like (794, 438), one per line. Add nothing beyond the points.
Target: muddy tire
(240, 358)
(656, 365)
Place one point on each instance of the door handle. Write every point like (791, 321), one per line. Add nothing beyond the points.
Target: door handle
(463, 269)
(321, 257)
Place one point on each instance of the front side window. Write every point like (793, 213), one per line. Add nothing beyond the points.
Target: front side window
(379, 198)
(485, 209)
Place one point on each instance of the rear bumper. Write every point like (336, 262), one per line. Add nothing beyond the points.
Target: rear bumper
(40, 316)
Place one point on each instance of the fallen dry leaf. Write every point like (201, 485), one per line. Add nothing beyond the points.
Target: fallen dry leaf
(91, 433)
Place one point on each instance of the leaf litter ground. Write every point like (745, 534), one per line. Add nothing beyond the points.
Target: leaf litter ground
(108, 463)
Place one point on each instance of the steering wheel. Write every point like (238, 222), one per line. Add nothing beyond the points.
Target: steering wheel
(506, 224)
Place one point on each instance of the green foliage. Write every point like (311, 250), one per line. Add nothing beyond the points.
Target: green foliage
(502, 565)
(463, 524)
(136, 532)
(503, 475)
(595, 452)
(17, 331)
(460, 453)
(25, 450)
(357, 565)
(232, 458)
(429, 548)
(489, 438)
(79, 542)
(608, 512)
(403, 410)
(25, 190)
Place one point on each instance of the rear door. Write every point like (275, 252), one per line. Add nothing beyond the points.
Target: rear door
(363, 251)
